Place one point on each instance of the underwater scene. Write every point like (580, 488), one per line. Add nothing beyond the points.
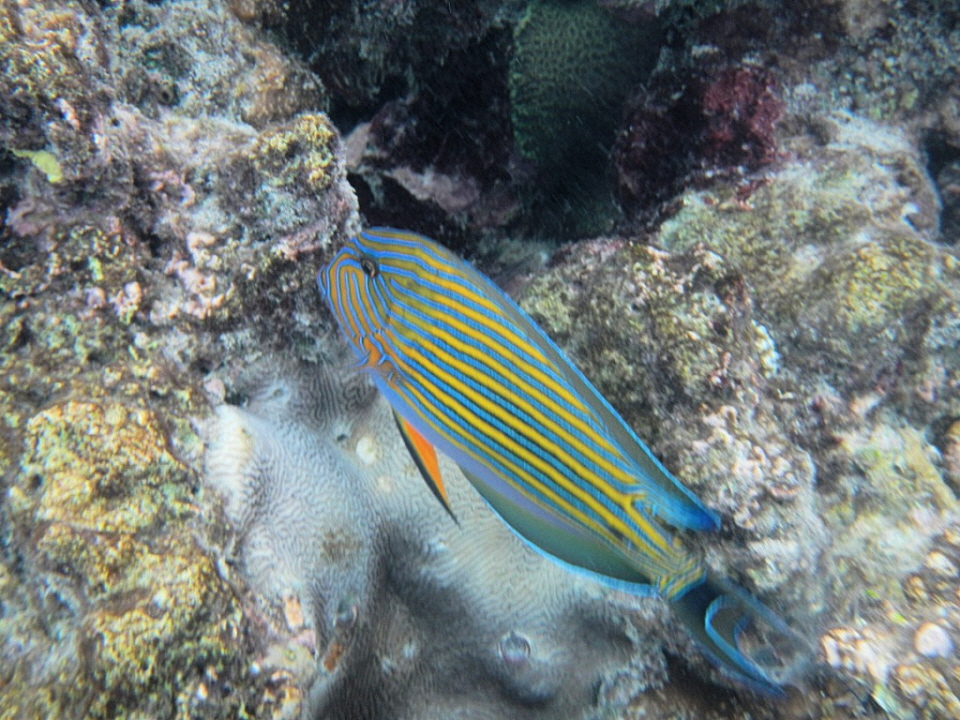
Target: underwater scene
(505, 359)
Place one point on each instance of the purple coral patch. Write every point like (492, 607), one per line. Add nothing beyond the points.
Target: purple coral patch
(741, 107)
(684, 130)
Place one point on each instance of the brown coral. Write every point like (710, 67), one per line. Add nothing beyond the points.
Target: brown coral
(99, 506)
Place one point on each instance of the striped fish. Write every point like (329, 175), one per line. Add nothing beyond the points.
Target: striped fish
(468, 372)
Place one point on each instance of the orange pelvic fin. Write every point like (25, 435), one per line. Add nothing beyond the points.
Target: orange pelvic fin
(425, 457)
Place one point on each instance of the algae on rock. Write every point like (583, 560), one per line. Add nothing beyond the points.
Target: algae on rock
(118, 295)
(791, 353)
(137, 612)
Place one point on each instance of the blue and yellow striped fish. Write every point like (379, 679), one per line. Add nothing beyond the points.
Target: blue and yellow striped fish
(468, 372)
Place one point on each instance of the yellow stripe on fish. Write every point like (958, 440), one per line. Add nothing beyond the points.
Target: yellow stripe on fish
(467, 371)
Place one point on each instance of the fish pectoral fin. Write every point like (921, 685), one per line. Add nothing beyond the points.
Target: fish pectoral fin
(373, 360)
(425, 457)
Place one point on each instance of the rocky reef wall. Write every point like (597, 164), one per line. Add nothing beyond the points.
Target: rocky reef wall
(205, 514)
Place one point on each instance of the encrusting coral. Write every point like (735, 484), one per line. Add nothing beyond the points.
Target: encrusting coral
(837, 251)
(118, 266)
(792, 355)
(136, 611)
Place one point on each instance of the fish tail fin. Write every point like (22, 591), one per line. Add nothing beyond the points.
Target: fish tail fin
(741, 635)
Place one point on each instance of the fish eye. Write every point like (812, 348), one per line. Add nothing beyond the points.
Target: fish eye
(369, 267)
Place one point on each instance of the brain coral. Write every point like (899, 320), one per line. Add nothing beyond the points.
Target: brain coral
(573, 63)
(409, 614)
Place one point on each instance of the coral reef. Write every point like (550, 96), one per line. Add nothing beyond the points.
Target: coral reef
(704, 362)
(741, 108)
(124, 279)
(786, 339)
(901, 58)
(947, 177)
(277, 184)
(801, 343)
(178, 55)
(439, 160)
(859, 221)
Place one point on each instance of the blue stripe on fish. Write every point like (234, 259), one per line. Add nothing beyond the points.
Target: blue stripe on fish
(469, 371)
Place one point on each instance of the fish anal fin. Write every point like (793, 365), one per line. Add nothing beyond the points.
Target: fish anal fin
(425, 457)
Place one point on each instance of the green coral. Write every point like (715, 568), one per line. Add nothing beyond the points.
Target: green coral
(103, 502)
(573, 63)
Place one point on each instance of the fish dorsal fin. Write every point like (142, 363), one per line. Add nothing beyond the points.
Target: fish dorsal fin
(425, 457)
(663, 494)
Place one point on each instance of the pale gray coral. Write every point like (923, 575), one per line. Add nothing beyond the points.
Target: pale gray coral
(410, 614)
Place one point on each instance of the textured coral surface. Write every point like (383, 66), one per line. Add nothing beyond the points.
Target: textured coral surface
(204, 514)
(408, 613)
(134, 612)
(800, 371)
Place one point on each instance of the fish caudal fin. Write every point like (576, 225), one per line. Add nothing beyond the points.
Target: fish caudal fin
(742, 636)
